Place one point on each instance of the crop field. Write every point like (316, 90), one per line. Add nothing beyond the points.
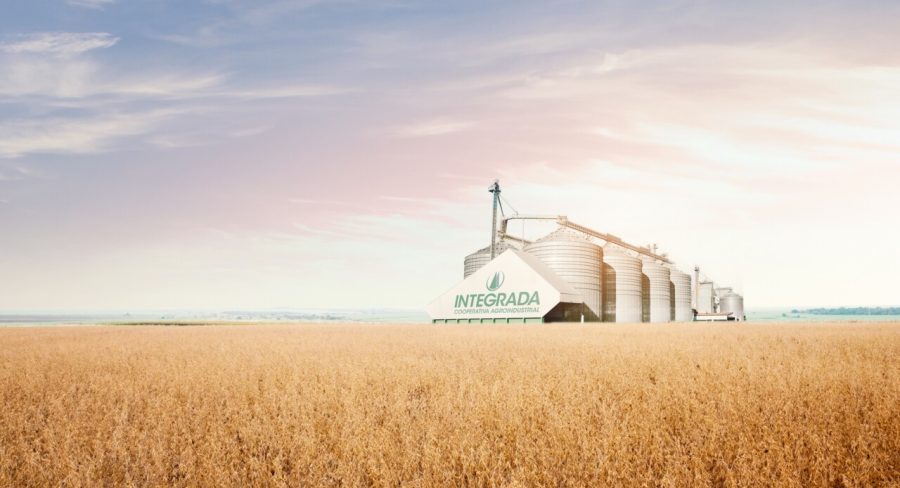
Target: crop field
(385, 405)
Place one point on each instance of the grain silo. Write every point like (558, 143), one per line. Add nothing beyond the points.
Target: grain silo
(706, 297)
(732, 303)
(722, 291)
(681, 298)
(577, 261)
(658, 292)
(476, 261)
(622, 300)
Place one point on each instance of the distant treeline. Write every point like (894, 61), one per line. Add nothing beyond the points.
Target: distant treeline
(851, 311)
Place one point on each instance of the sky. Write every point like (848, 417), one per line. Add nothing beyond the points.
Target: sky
(235, 154)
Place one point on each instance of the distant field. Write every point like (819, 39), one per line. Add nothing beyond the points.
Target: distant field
(354, 405)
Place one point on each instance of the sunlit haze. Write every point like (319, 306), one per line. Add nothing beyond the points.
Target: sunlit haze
(228, 154)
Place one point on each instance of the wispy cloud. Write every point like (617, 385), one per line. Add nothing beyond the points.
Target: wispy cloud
(207, 136)
(207, 36)
(94, 4)
(57, 78)
(18, 172)
(74, 136)
(163, 85)
(107, 108)
(286, 91)
(433, 128)
(59, 43)
(178, 140)
(81, 78)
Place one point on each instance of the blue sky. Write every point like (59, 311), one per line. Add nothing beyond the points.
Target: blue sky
(257, 154)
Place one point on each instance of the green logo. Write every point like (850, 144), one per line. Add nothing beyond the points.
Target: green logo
(495, 281)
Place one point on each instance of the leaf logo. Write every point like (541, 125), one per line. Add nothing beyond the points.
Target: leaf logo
(495, 281)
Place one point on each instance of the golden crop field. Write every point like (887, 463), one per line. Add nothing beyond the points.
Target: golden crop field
(371, 405)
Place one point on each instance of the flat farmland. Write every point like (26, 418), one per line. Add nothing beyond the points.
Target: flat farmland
(420, 405)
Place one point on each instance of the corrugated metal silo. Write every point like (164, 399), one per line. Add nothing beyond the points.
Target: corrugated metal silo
(476, 261)
(577, 261)
(681, 299)
(734, 303)
(622, 299)
(481, 257)
(706, 297)
(660, 299)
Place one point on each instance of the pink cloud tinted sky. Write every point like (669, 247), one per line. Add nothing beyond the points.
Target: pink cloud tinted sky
(333, 154)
